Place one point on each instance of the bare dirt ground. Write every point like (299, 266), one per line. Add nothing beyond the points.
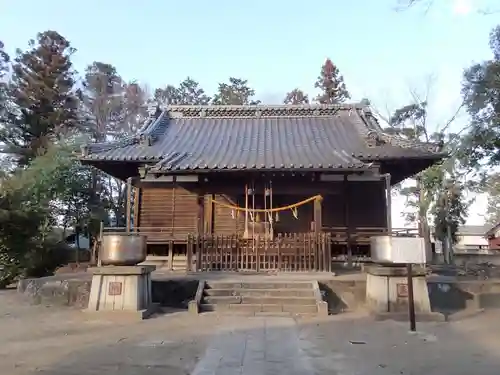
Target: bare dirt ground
(50, 340)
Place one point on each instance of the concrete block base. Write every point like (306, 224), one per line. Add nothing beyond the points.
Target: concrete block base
(121, 291)
(387, 291)
(193, 307)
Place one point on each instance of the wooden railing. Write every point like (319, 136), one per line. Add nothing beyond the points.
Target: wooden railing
(339, 235)
(286, 252)
(362, 235)
(354, 235)
(290, 252)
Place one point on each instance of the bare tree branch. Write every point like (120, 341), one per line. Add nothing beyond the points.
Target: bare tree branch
(452, 119)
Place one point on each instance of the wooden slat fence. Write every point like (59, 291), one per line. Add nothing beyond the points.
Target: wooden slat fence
(289, 252)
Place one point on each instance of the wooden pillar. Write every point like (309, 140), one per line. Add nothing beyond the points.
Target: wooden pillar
(128, 205)
(320, 249)
(200, 227)
(317, 216)
(137, 207)
(194, 255)
(171, 255)
(208, 214)
(388, 200)
(189, 256)
(346, 197)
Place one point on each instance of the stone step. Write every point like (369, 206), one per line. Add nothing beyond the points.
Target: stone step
(253, 309)
(260, 285)
(260, 292)
(259, 300)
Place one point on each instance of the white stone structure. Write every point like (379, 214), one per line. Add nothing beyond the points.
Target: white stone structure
(122, 289)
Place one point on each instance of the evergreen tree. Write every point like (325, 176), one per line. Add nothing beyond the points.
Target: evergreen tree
(332, 86)
(296, 96)
(45, 105)
(4, 103)
(4, 61)
(236, 92)
(481, 91)
(492, 189)
(449, 210)
(189, 92)
(168, 96)
(439, 190)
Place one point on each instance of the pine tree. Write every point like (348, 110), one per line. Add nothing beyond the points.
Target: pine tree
(332, 86)
(168, 96)
(481, 92)
(236, 92)
(4, 60)
(296, 96)
(189, 92)
(43, 95)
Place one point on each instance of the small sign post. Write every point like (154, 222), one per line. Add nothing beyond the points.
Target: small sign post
(411, 298)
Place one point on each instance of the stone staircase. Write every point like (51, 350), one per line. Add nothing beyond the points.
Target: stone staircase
(276, 298)
(179, 262)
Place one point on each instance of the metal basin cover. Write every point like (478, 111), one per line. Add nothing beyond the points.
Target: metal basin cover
(123, 249)
(398, 250)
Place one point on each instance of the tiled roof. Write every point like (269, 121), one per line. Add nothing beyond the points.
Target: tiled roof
(260, 137)
(490, 232)
(473, 230)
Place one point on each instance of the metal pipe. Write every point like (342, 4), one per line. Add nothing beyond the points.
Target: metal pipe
(388, 201)
(128, 204)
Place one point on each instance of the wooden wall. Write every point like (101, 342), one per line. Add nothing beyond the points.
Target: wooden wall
(225, 220)
(366, 205)
(181, 210)
(173, 209)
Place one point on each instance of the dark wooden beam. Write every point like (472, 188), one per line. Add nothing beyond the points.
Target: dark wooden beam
(137, 207)
(208, 214)
(346, 196)
(128, 204)
(317, 216)
(201, 214)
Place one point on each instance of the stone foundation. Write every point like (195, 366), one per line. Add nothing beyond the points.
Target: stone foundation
(122, 289)
(387, 292)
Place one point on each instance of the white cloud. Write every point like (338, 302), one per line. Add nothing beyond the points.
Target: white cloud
(462, 7)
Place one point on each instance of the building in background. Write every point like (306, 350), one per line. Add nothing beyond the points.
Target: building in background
(492, 235)
(471, 240)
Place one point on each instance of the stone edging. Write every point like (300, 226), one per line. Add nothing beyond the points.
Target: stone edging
(194, 305)
(322, 305)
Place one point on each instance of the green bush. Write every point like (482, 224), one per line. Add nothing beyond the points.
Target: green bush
(46, 259)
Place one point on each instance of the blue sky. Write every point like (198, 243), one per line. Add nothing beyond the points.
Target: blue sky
(276, 45)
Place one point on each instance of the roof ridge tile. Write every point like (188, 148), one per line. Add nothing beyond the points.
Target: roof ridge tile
(245, 111)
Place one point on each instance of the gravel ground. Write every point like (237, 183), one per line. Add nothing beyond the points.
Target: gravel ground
(60, 341)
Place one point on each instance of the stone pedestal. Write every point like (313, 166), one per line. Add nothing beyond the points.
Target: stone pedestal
(387, 292)
(122, 290)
